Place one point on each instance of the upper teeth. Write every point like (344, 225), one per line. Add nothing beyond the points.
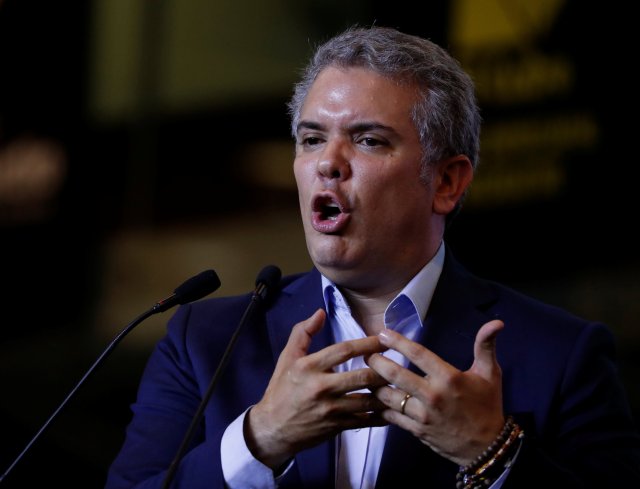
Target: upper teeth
(331, 210)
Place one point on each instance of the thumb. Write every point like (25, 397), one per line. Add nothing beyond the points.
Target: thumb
(303, 332)
(485, 363)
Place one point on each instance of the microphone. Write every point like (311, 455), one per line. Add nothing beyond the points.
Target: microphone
(266, 287)
(267, 283)
(193, 289)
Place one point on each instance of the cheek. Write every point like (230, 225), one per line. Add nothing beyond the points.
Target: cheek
(303, 176)
(298, 174)
(405, 205)
(301, 168)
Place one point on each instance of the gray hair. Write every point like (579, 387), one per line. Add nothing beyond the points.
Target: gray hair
(446, 115)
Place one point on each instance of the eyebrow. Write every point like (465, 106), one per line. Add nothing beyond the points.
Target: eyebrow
(362, 126)
(309, 125)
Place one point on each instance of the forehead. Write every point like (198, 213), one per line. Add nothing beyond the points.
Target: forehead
(359, 93)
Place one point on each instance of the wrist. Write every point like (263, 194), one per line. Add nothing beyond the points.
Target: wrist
(263, 446)
(488, 466)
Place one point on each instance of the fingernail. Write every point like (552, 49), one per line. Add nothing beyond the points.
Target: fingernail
(384, 336)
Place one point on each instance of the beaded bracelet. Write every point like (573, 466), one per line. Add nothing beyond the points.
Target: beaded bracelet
(479, 473)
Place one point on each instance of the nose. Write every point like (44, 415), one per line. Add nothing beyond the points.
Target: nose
(333, 162)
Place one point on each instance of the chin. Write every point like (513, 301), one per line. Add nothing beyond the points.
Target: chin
(342, 272)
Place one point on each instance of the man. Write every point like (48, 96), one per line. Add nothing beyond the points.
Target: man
(387, 364)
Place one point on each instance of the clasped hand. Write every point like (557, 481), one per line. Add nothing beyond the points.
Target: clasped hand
(457, 414)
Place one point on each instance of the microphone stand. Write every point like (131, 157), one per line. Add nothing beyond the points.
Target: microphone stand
(71, 394)
(269, 276)
(195, 287)
(205, 399)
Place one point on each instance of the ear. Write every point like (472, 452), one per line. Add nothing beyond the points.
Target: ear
(451, 178)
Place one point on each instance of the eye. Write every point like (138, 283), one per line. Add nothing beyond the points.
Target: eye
(371, 141)
(309, 141)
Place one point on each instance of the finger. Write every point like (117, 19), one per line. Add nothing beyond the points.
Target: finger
(485, 363)
(395, 374)
(355, 380)
(364, 420)
(421, 357)
(359, 402)
(302, 334)
(394, 398)
(338, 353)
(358, 410)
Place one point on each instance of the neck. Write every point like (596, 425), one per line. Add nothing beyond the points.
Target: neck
(368, 303)
(368, 309)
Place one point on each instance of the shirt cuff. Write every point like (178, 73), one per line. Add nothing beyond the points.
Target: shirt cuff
(500, 480)
(239, 467)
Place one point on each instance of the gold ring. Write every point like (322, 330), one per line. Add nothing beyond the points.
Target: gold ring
(404, 403)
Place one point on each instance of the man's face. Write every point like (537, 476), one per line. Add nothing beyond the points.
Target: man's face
(367, 216)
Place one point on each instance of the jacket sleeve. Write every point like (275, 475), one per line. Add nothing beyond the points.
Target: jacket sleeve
(168, 396)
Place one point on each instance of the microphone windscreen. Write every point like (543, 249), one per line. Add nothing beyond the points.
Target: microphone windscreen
(268, 280)
(197, 287)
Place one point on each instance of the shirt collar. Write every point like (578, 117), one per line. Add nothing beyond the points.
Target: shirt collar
(419, 290)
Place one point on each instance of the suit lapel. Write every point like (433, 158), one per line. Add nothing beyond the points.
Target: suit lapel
(315, 467)
(455, 314)
(297, 302)
(407, 462)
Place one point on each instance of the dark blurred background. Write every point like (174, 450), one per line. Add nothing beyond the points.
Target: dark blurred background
(142, 142)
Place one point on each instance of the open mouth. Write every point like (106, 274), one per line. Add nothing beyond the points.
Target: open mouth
(328, 214)
(326, 207)
(330, 211)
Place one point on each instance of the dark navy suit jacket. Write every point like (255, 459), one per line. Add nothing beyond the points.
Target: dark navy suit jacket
(559, 382)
